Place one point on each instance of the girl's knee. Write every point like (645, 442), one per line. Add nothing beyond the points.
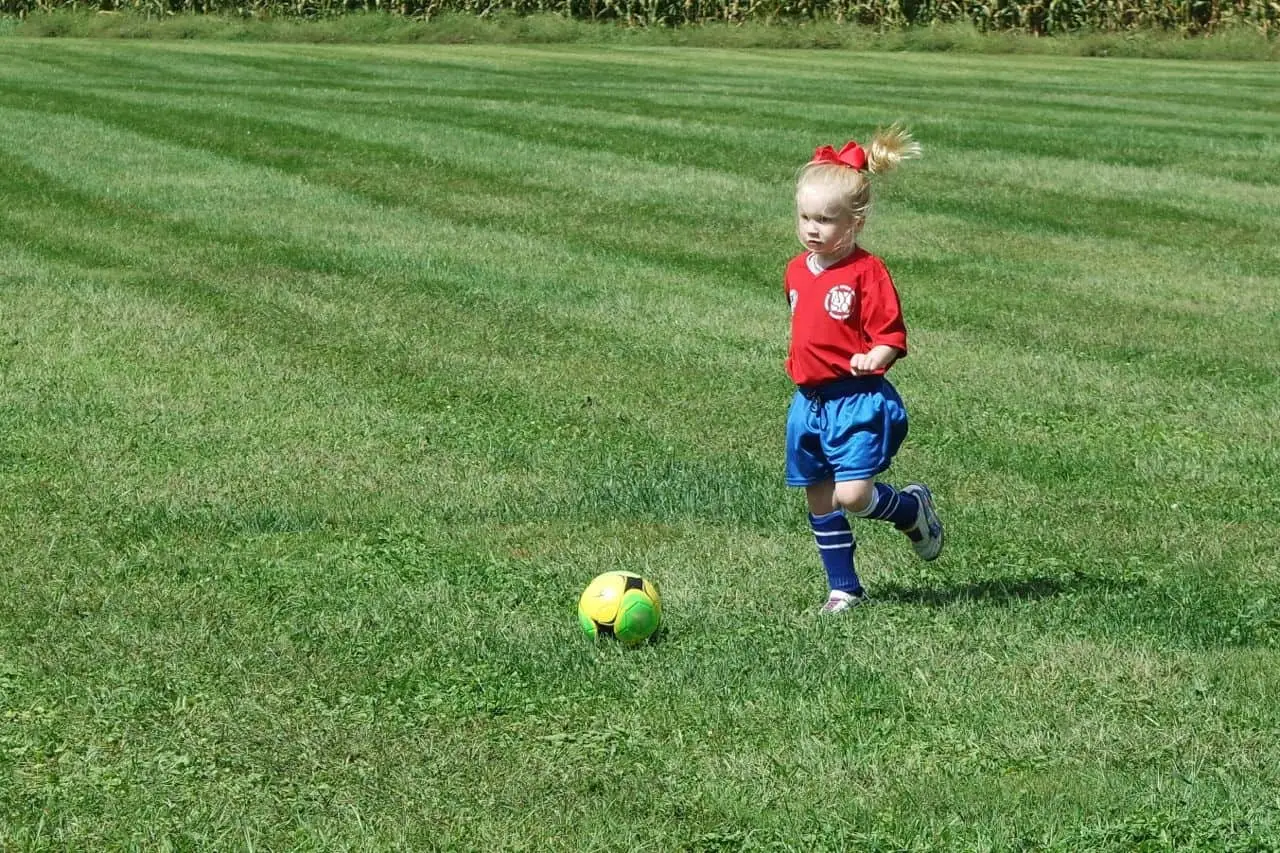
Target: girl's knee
(855, 495)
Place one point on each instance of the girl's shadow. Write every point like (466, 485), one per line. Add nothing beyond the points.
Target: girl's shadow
(998, 592)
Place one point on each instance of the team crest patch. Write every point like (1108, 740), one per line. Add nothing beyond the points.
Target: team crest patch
(839, 303)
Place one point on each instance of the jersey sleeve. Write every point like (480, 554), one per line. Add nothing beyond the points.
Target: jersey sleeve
(882, 321)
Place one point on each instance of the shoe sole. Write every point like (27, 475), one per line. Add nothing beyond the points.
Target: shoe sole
(845, 604)
(931, 519)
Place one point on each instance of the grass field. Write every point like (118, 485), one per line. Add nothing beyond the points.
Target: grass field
(330, 375)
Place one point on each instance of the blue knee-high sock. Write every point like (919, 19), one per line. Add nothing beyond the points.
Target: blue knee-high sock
(889, 504)
(836, 546)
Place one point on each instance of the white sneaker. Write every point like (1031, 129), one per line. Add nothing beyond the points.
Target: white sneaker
(926, 536)
(839, 601)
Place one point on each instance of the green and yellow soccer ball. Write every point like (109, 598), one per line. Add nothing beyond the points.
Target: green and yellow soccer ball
(622, 605)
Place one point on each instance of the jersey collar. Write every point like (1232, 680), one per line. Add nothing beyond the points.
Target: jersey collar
(811, 261)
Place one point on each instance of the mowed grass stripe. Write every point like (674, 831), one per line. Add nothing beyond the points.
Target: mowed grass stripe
(304, 333)
(315, 325)
(1187, 84)
(361, 242)
(1160, 217)
(558, 134)
(1245, 376)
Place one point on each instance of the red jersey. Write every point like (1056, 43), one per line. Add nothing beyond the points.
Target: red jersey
(839, 312)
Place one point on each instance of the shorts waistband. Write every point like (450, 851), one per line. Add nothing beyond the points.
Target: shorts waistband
(837, 388)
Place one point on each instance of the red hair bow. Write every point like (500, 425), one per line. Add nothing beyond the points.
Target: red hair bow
(850, 155)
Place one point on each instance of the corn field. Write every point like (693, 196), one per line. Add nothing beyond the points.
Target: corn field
(1044, 17)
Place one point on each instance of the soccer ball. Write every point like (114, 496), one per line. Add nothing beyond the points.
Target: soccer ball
(622, 605)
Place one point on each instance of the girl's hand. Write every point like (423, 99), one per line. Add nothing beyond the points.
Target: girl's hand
(861, 364)
(875, 361)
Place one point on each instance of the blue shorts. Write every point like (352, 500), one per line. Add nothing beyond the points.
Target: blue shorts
(844, 430)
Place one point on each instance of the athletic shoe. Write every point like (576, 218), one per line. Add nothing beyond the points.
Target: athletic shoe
(840, 601)
(926, 536)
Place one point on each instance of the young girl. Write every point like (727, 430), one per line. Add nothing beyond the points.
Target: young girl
(846, 420)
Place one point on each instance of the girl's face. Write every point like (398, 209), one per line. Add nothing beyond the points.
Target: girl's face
(824, 226)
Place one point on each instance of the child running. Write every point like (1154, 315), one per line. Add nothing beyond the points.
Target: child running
(846, 420)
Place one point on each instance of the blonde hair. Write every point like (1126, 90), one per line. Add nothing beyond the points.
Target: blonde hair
(851, 188)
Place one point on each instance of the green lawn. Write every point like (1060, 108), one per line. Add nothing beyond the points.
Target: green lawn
(329, 377)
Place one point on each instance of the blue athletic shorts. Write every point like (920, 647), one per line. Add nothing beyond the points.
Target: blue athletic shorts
(849, 429)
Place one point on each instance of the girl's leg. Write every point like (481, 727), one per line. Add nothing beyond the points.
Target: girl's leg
(910, 510)
(836, 546)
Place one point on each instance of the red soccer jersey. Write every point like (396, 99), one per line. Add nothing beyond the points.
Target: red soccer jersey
(839, 312)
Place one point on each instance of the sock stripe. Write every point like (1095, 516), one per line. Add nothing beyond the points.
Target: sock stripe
(889, 504)
(836, 545)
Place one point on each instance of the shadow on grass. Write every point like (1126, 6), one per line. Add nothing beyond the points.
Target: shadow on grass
(1192, 613)
(999, 591)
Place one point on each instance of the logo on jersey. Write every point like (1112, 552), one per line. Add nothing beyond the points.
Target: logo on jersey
(793, 297)
(839, 303)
